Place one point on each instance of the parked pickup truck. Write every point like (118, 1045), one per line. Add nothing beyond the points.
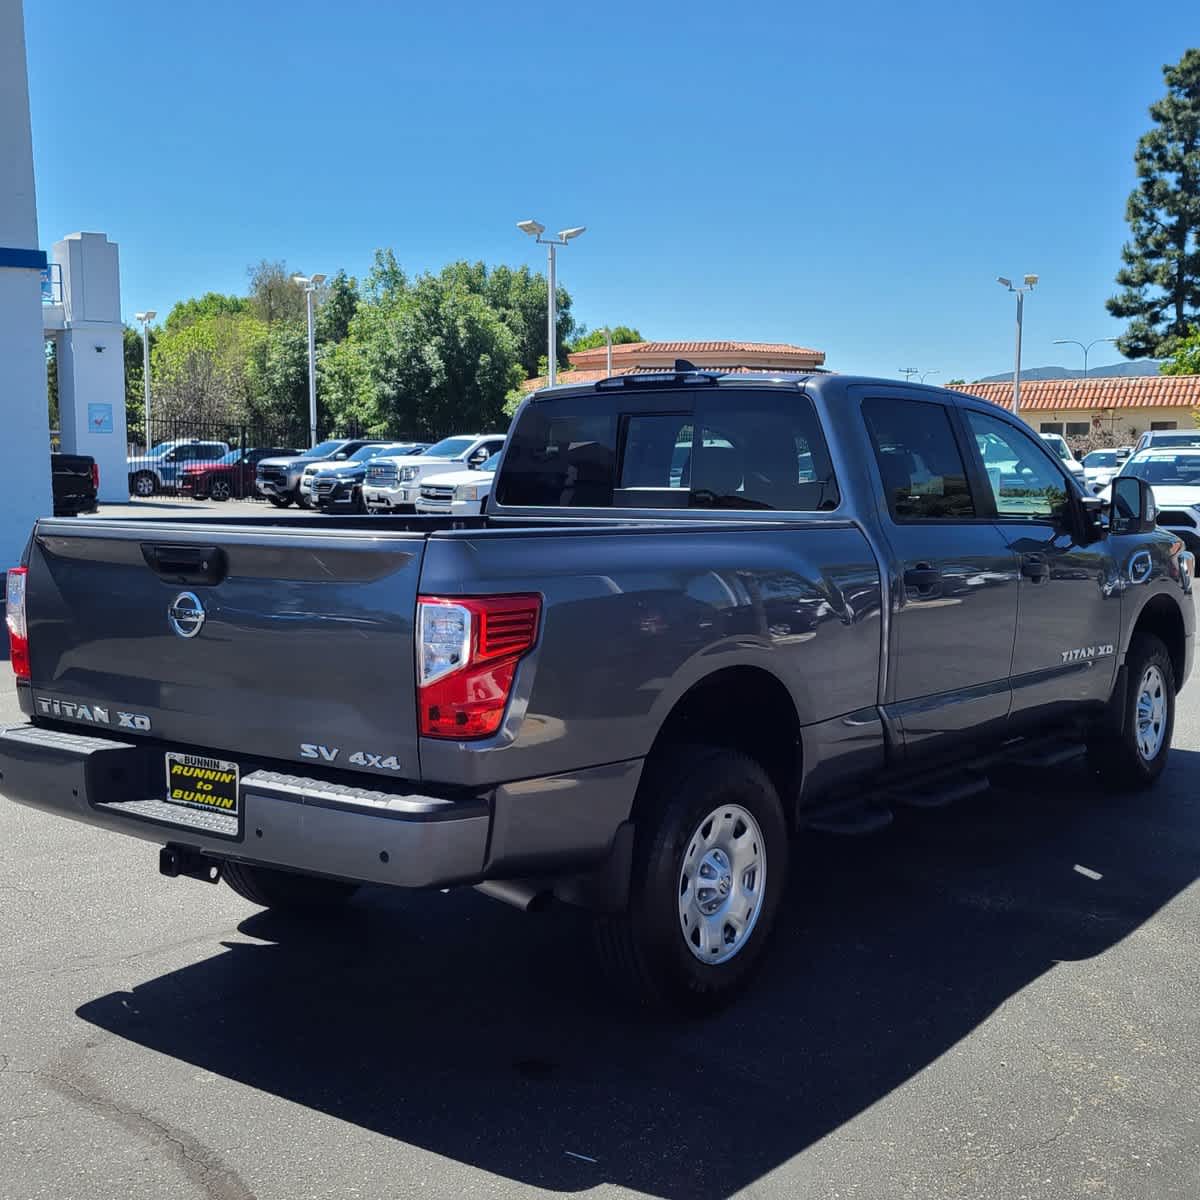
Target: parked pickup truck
(75, 480)
(628, 682)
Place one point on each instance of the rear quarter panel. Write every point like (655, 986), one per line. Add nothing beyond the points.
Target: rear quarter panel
(635, 617)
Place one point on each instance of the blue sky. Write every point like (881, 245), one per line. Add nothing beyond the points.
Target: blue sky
(850, 177)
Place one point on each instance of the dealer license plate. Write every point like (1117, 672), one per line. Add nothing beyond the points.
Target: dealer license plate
(202, 782)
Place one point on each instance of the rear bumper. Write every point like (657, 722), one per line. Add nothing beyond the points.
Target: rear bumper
(70, 506)
(308, 825)
(405, 838)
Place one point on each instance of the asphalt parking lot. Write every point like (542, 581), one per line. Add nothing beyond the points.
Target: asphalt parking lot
(951, 1009)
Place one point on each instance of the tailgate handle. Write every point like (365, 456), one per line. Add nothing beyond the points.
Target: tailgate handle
(186, 564)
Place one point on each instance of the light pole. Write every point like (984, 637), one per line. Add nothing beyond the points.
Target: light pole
(310, 283)
(608, 351)
(1085, 349)
(535, 229)
(1028, 284)
(932, 371)
(909, 372)
(145, 318)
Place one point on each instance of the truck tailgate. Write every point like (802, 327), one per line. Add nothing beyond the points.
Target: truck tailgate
(306, 638)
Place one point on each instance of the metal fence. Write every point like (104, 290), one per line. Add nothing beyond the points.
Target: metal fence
(219, 458)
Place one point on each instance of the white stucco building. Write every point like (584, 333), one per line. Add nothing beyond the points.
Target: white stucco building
(25, 446)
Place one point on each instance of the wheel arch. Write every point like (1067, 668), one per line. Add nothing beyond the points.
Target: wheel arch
(1161, 617)
(745, 708)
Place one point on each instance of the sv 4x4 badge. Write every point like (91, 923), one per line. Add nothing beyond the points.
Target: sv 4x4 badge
(360, 758)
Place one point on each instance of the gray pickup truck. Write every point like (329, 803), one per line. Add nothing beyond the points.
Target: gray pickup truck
(702, 615)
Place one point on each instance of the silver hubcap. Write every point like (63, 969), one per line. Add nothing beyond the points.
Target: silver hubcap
(144, 486)
(721, 884)
(1151, 713)
(220, 490)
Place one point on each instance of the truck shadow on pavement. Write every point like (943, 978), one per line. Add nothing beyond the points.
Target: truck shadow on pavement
(465, 1028)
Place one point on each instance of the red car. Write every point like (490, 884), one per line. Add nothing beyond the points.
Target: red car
(227, 477)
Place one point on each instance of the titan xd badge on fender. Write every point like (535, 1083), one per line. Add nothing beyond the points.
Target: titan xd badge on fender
(185, 615)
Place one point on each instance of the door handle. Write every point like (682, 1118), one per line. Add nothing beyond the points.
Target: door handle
(922, 579)
(1035, 568)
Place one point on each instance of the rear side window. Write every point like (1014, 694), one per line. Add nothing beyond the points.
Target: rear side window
(560, 456)
(759, 449)
(924, 477)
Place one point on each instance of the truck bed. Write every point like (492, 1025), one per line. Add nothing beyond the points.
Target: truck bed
(308, 631)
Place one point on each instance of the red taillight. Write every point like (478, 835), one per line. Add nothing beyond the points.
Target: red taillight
(18, 631)
(467, 653)
(96, 476)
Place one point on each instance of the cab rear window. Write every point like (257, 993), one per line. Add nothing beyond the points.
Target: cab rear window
(720, 447)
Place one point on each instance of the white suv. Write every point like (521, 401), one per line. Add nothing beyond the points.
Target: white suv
(393, 484)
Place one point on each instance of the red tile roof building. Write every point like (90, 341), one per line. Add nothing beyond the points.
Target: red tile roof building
(1124, 406)
(629, 358)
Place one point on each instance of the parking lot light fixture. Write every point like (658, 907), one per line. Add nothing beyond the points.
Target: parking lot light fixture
(1030, 282)
(310, 283)
(145, 318)
(1084, 348)
(535, 229)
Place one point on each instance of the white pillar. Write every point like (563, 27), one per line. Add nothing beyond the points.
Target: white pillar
(91, 359)
(25, 447)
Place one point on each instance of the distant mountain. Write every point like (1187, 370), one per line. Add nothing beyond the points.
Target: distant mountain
(1146, 366)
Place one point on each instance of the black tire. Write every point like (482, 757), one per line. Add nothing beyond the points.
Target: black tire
(644, 949)
(280, 501)
(143, 484)
(220, 489)
(1118, 754)
(284, 891)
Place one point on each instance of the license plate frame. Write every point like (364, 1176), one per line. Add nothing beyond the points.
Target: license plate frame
(198, 781)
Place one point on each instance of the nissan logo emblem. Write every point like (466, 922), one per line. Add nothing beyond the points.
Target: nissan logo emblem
(185, 614)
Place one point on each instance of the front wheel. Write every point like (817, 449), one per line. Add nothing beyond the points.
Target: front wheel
(280, 501)
(1133, 756)
(220, 489)
(710, 861)
(144, 485)
(285, 891)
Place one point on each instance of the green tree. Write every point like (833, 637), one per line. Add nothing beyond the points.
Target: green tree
(621, 334)
(441, 359)
(273, 295)
(205, 371)
(211, 304)
(1186, 359)
(52, 381)
(1161, 272)
(279, 385)
(955, 383)
(338, 304)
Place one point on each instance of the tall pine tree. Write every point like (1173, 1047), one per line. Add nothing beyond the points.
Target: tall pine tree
(1161, 275)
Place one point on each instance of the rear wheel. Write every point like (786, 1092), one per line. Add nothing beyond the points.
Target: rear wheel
(280, 501)
(710, 861)
(285, 891)
(1134, 756)
(220, 489)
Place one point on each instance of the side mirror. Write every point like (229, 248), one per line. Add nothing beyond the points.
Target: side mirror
(1133, 509)
(340, 457)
